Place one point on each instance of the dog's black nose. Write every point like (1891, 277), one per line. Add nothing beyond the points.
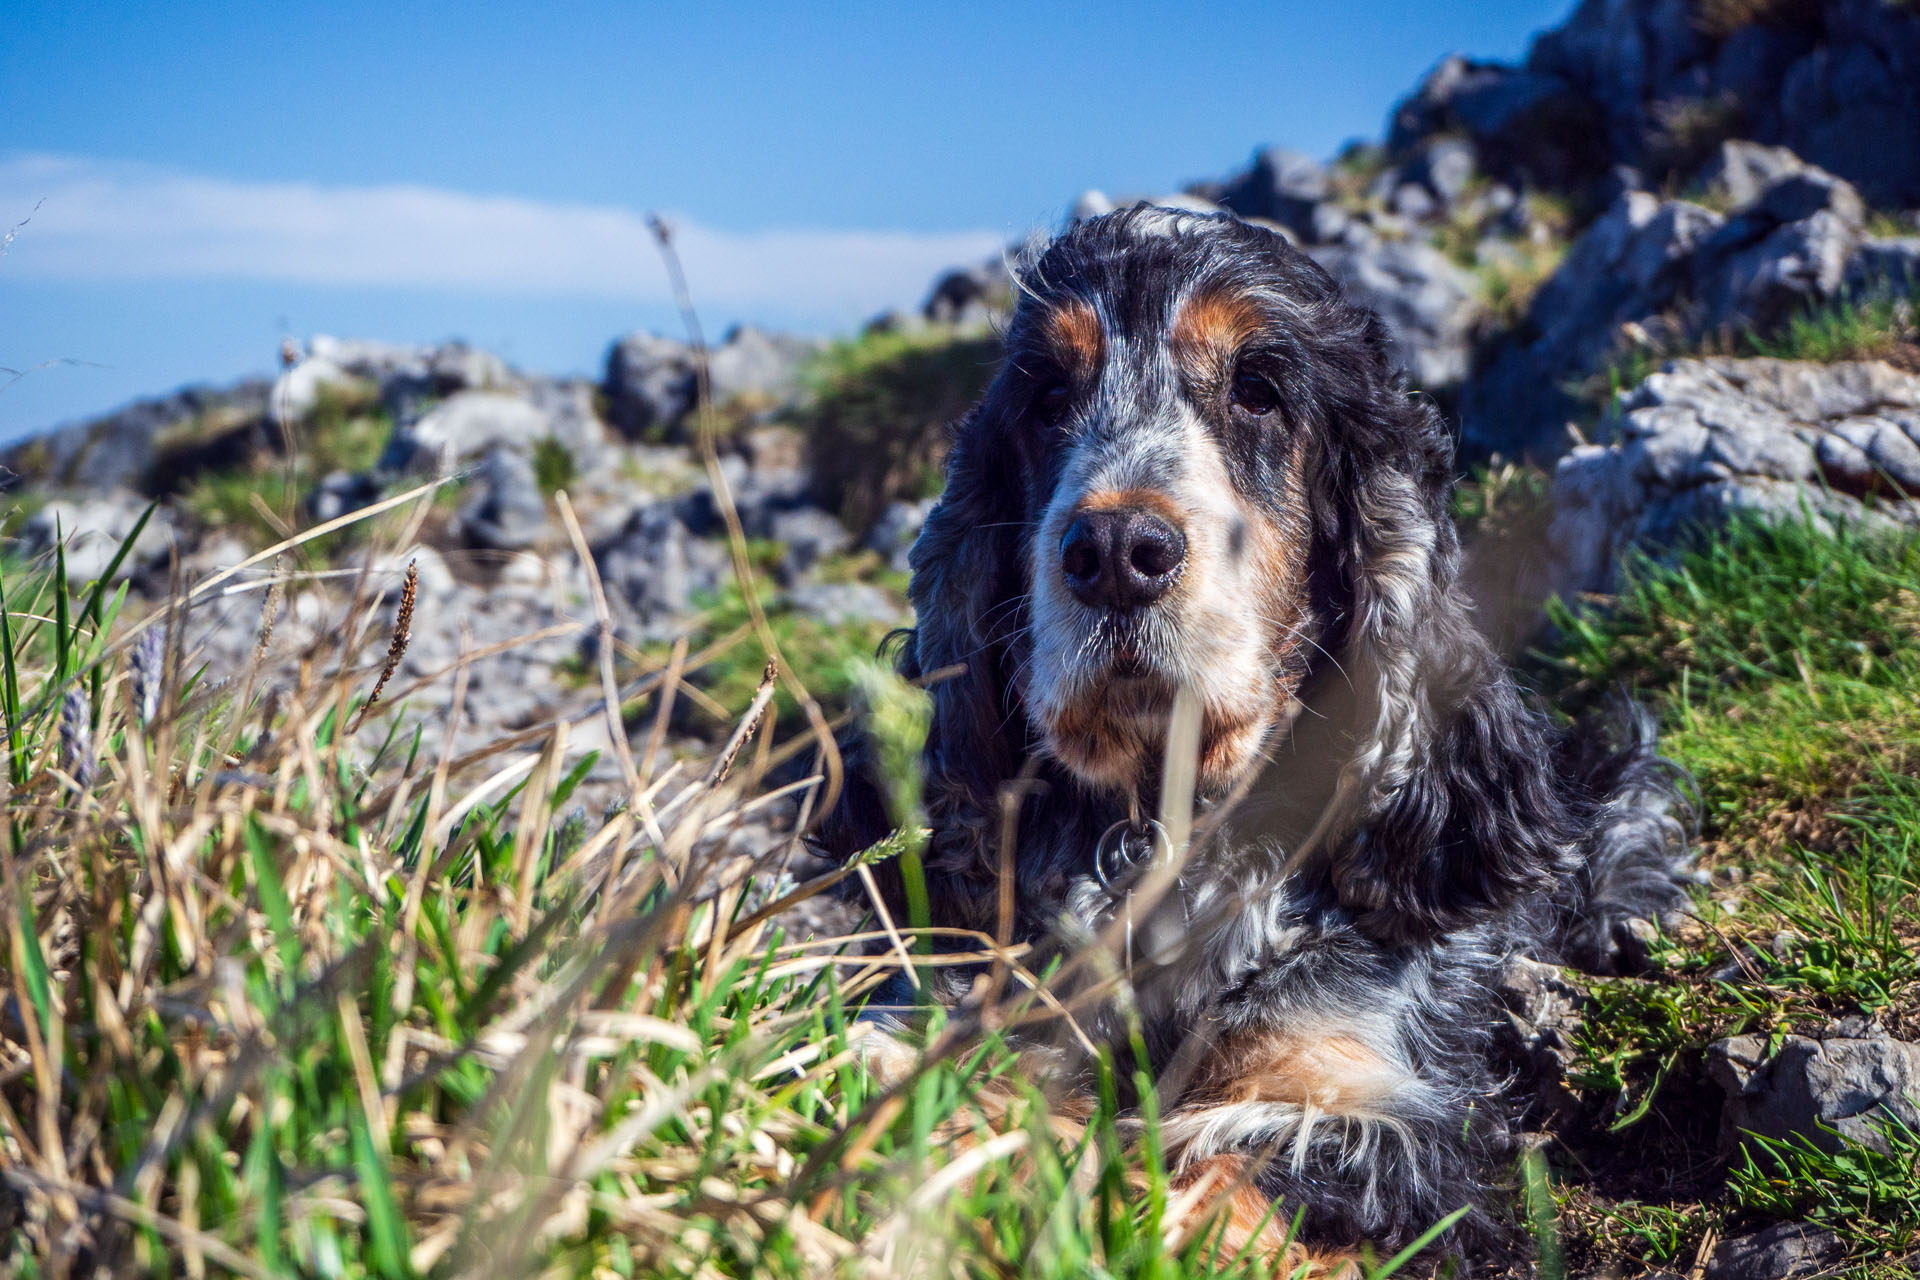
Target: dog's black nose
(1121, 558)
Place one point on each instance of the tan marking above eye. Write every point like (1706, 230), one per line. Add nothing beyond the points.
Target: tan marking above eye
(1073, 331)
(1210, 328)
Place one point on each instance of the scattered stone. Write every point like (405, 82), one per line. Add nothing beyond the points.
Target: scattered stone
(1543, 1013)
(1444, 166)
(839, 603)
(810, 535)
(1778, 1253)
(894, 533)
(341, 492)
(507, 511)
(433, 581)
(1851, 1076)
(655, 566)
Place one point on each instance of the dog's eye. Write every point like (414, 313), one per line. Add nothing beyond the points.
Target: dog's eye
(1254, 393)
(1052, 403)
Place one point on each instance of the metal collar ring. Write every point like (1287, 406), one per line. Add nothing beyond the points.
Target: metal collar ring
(1124, 847)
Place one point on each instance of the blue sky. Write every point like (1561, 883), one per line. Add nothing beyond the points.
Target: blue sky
(210, 177)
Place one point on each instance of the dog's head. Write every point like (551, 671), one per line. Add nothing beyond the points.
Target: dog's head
(1197, 472)
(1168, 448)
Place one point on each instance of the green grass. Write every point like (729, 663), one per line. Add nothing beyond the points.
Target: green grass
(1783, 660)
(1883, 323)
(553, 465)
(1869, 1197)
(826, 656)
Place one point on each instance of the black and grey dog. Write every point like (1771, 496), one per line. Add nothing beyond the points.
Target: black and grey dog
(1197, 480)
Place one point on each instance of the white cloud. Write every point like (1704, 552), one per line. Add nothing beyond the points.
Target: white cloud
(100, 220)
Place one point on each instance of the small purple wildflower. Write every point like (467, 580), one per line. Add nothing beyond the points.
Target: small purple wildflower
(145, 667)
(76, 738)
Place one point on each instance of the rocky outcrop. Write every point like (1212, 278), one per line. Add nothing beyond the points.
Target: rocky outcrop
(121, 448)
(1671, 273)
(1704, 438)
(1648, 84)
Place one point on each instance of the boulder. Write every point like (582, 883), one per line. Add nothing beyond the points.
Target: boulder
(655, 567)
(121, 449)
(754, 364)
(650, 384)
(970, 297)
(93, 527)
(506, 511)
(1890, 262)
(1280, 185)
(760, 496)
(1701, 439)
(1842, 1086)
(1428, 303)
(1631, 264)
(1678, 270)
(1526, 126)
(1741, 170)
(1629, 58)
(1785, 250)
(1851, 104)
(466, 426)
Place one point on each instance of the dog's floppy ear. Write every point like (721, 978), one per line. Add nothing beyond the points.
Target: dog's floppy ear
(969, 603)
(1448, 808)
